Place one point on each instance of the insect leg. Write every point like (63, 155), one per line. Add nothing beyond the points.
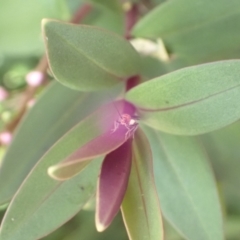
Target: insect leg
(116, 125)
(130, 130)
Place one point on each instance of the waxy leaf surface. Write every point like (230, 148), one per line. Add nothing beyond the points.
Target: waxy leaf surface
(88, 58)
(186, 187)
(191, 100)
(140, 207)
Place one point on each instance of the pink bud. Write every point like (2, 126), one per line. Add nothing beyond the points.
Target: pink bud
(3, 94)
(34, 78)
(5, 138)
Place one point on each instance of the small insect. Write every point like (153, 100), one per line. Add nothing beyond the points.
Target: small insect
(130, 123)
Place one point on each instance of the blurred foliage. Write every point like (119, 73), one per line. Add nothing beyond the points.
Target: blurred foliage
(21, 47)
(82, 226)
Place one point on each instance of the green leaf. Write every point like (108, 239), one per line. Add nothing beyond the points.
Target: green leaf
(43, 204)
(113, 5)
(140, 207)
(186, 186)
(223, 149)
(85, 229)
(152, 67)
(199, 30)
(42, 199)
(20, 24)
(88, 58)
(55, 112)
(108, 15)
(111, 19)
(232, 227)
(192, 100)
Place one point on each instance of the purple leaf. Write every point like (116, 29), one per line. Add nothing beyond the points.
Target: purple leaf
(103, 144)
(112, 184)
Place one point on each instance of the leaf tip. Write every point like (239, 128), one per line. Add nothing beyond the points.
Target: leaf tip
(100, 226)
(52, 172)
(45, 21)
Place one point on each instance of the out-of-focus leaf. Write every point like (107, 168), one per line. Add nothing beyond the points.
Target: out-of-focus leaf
(43, 200)
(95, 58)
(56, 111)
(140, 207)
(114, 4)
(112, 184)
(232, 227)
(158, 1)
(103, 17)
(186, 186)
(191, 100)
(170, 233)
(106, 14)
(74, 5)
(198, 30)
(20, 24)
(152, 67)
(223, 149)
